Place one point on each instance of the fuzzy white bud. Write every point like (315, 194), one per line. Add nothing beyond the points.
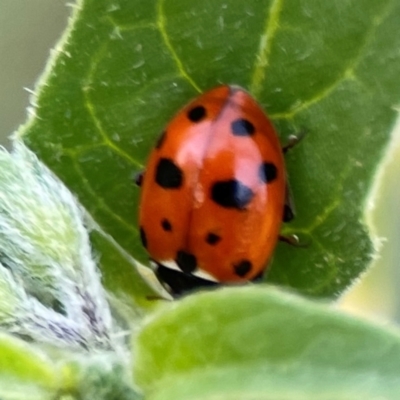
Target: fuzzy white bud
(46, 255)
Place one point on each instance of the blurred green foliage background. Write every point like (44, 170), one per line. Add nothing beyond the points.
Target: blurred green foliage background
(28, 31)
(377, 293)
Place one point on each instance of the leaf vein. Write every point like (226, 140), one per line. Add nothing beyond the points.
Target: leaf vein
(161, 24)
(264, 50)
(347, 74)
(100, 202)
(92, 109)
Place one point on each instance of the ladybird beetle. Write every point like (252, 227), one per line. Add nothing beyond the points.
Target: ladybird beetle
(214, 193)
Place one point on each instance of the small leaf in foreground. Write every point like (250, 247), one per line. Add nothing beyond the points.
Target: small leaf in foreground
(258, 343)
(26, 372)
(99, 376)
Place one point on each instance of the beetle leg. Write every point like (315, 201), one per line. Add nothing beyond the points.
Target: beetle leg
(293, 140)
(138, 178)
(288, 209)
(293, 240)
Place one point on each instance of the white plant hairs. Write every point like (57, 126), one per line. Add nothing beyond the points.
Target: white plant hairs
(50, 287)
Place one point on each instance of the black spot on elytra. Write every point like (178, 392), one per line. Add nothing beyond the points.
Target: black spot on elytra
(288, 214)
(242, 127)
(186, 262)
(268, 172)
(242, 268)
(231, 194)
(161, 140)
(143, 237)
(212, 238)
(168, 174)
(166, 225)
(197, 113)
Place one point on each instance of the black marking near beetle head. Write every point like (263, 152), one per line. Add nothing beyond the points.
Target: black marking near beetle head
(179, 282)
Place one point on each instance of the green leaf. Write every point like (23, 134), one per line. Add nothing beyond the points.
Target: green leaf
(25, 372)
(328, 68)
(252, 343)
(99, 377)
(131, 283)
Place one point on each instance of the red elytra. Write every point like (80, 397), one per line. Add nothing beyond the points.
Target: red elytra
(214, 192)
